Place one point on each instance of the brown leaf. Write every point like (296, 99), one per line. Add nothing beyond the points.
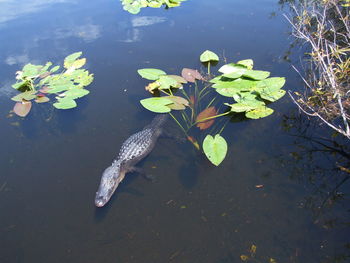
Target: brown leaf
(179, 79)
(41, 99)
(192, 100)
(194, 142)
(208, 112)
(191, 74)
(22, 108)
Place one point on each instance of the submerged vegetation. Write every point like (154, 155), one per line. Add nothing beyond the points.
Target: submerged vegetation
(325, 28)
(245, 91)
(38, 82)
(134, 6)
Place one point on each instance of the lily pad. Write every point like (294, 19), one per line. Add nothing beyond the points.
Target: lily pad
(22, 108)
(272, 96)
(76, 93)
(69, 60)
(179, 103)
(28, 95)
(151, 73)
(232, 68)
(215, 148)
(256, 74)
(258, 113)
(191, 74)
(272, 84)
(157, 104)
(166, 82)
(208, 112)
(248, 63)
(65, 103)
(208, 56)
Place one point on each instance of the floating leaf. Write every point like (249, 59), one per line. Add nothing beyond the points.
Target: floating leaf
(272, 96)
(31, 71)
(22, 86)
(65, 103)
(208, 56)
(69, 60)
(22, 108)
(232, 68)
(156, 104)
(256, 74)
(54, 69)
(242, 107)
(42, 99)
(28, 95)
(179, 103)
(76, 93)
(237, 85)
(166, 82)
(215, 148)
(272, 84)
(150, 73)
(179, 79)
(258, 113)
(207, 113)
(191, 74)
(248, 63)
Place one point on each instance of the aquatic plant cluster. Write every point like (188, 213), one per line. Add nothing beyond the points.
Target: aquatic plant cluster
(251, 92)
(134, 6)
(38, 82)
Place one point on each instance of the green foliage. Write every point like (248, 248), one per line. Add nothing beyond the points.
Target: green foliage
(250, 90)
(134, 6)
(215, 148)
(38, 82)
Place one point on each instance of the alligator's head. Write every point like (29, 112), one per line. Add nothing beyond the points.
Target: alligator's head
(110, 180)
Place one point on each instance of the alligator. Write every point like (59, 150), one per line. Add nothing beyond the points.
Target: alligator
(134, 149)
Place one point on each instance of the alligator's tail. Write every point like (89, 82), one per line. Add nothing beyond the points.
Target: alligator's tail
(159, 121)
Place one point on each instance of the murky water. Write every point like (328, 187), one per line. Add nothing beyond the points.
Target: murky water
(280, 187)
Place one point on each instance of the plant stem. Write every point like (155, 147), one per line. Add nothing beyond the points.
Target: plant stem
(165, 92)
(213, 117)
(223, 127)
(178, 123)
(209, 68)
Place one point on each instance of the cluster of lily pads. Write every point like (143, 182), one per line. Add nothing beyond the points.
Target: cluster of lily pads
(40, 82)
(134, 6)
(251, 91)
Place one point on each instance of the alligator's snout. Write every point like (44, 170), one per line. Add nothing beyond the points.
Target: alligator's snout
(100, 201)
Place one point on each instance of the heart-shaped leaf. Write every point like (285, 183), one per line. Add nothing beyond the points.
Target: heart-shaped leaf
(208, 55)
(256, 74)
(65, 103)
(191, 74)
(248, 63)
(208, 112)
(22, 108)
(156, 104)
(258, 113)
(151, 73)
(215, 148)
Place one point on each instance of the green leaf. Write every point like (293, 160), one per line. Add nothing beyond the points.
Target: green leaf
(151, 73)
(156, 104)
(31, 71)
(256, 74)
(23, 85)
(273, 84)
(238, 85)
(272, 96)
(248, 63)
(245, 106)
(166, 82)
(59, 88)
(42, 99)
(28, 95)
(69, 60)
(215, 148)
(65, 103)
(233, 68)
(258, 113)
(54, 69)
(76, 93)
(208, 56)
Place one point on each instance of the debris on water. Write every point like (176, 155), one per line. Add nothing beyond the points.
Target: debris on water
(183, 207)
(169, 202)
(3, 187)
(204, 218)
(175, 254)
(259, 186)
(154, 167)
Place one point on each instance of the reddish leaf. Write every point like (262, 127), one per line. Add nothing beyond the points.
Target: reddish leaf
(194, 142)
(208, 112)
(22, 108)
(191, 74)
(44, 89)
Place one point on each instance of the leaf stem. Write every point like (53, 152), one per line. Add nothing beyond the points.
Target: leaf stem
(178, 123)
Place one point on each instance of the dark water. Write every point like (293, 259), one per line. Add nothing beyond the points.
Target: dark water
(51, 161)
